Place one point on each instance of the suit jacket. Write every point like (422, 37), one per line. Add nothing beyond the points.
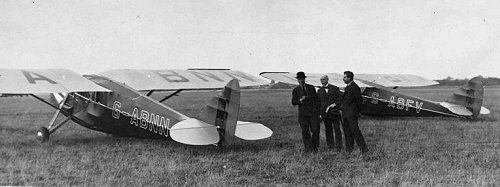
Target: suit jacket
(310, 107)
(351, 101)
(327, 98)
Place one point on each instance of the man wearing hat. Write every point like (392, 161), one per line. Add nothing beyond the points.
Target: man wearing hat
(305, 96)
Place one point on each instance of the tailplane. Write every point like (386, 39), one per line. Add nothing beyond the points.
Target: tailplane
(219, 123)
(468, 99)
(222, 111)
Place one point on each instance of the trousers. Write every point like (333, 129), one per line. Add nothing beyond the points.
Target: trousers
(352, 133)
(334, 122)
(309, 126)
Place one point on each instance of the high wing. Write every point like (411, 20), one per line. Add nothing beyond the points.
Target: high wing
(35, 81)
(363, 80)
(191, 79)
(393, 80)
(312, 78)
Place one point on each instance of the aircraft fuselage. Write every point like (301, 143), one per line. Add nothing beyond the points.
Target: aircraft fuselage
(122, 112)
(381, 102)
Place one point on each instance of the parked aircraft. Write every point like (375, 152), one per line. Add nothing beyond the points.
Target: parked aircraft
(111, 102)
(380, 97)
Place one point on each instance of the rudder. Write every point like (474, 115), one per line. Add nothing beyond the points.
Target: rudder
(223, 110)
(470, 95)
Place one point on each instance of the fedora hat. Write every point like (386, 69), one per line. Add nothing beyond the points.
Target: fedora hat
(301, 74)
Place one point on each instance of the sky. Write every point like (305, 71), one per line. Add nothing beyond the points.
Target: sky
(434, 39)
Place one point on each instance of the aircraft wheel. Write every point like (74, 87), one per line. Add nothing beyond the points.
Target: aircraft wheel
(42, 134)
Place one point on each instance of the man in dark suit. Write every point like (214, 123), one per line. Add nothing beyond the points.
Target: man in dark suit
(305, 96)
(330, 98)
(351, 106)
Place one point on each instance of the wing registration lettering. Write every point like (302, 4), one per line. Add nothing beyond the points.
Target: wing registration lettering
(235, 75)
(181, 79)
(202, 75)
(32, 79)
(171, 76)
(37, 81)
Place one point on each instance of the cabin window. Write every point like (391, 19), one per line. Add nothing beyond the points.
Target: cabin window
(100, 97)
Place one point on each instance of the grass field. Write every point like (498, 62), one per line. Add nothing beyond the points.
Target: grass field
(404, 151)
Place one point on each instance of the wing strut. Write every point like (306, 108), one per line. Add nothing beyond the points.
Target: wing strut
(43, 100)
(169, 96)
(43, 133)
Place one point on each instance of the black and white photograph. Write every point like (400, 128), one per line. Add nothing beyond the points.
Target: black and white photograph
(249, 93)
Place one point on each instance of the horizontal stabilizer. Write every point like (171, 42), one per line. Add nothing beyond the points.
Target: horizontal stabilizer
(35, 81)
(470, 95)
(194, 132)
(196, 79)
(484, 110)
(252, 131)
(456, 109)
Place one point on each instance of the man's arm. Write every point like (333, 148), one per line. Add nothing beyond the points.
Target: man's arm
(337, 99)
(295, 98)
(316, 99)
(357, 97)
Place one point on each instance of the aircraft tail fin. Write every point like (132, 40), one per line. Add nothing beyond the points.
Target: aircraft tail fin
(470, 95)
(223, 110)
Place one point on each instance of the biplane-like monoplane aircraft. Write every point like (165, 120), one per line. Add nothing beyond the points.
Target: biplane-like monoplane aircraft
(381, 99)
(116, 102)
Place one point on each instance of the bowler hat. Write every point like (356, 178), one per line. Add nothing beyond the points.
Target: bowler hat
(300, 74)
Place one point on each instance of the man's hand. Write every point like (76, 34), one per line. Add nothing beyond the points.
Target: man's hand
(302, 99)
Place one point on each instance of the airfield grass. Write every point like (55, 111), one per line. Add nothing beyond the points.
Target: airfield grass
(403, 151)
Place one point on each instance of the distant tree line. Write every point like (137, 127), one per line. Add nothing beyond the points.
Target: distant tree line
(449, 81)
(14, 95)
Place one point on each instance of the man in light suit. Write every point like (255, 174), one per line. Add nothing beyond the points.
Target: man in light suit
(351, 106)
(330, 98)
(305, 96)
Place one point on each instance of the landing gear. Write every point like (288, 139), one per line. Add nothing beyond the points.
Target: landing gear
(42, 134)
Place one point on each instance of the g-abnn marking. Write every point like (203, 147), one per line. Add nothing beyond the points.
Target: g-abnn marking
(144, 119)
(401, 103)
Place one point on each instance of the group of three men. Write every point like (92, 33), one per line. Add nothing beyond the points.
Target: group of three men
(333, 107)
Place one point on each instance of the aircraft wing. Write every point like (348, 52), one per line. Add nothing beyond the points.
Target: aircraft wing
(35, 81)
(312, 78)
(191, 79)
(392, 80)
(363, 80)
